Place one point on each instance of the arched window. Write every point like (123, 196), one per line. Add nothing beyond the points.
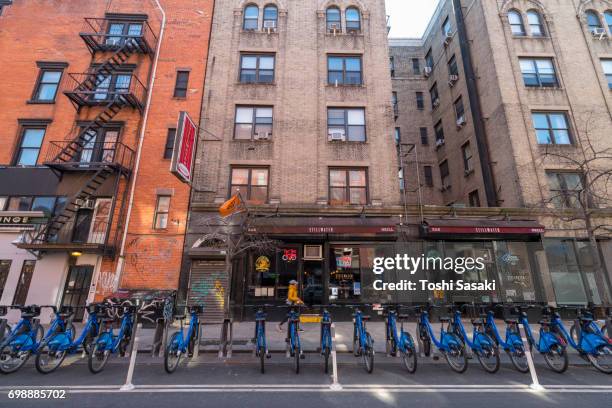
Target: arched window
(270, 16)
(608, 15)
(593, 21)
(251, 17)
(535, 23)
(333, 19)
(516, 22)
(353, 19)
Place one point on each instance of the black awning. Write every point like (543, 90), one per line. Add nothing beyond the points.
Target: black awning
(480, 227)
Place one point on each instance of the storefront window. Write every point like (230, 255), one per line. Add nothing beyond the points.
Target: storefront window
(565, 272)
(596, 283)
(516, 282)
(270, 273)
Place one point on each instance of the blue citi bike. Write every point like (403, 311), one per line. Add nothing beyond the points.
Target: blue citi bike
(19, 344)
(512, 344)
(261, 345)
(108, 342)
(326, 338)
(550, 344)
(449, 344)
(53, 350)
(363, 345)
(481, 344)
(402, 341)
(5, 328)
(293, 337)
(586, 337)
(180, 344)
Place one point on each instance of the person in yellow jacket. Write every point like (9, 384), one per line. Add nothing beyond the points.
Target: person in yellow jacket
(292, 299)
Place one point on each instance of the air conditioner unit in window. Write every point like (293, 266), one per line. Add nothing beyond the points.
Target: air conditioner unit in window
(452, 80)
(436, 102)
(445, 188)
(337, 137)
(334, 28)
(262, 136)
(269, 26)
(448, 38)
(599, 33)
(427, 72)
(439, 143)
(85, 204)
(460, 122)
(313, 252)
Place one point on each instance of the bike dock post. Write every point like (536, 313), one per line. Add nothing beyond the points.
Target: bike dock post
(128, 386)
(196, 348)
(335, 385)
(535, 383)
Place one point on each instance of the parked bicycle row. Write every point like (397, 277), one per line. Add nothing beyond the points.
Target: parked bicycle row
(99, 339)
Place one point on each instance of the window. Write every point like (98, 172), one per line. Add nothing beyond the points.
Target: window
(565, 189)
(47, 84)
(44, 204)
(353, 20)
(108, 86)
(346, 124)
(516, 22)
(392, 66)
(445, 174)
(593, 21)
(435, 98)
(535, 23)
(607, 68)
(348, 187)
(474, 199)
(416, 66)
(23, 285)
(439, 131)
(270, 16)
(5, 267)
(398, 135)
(424, 136)
(420, 100)
(180, 88)
(3, 201)
(251, 17)
(429, 59)
(333, 19)
(401, 179)
(539, 72)
(29, 148)
(256, 69)
(551, 128)
(169, 148)
(428, 176)
(452, 66)
(118, 32)
(608, 16)
(98, 145)
(395, 103)
(253, 123)
(162, 210)
(251, 183)
(19, 204)
(446, 27)
(344, 70)
(466, 151)
(459, 111)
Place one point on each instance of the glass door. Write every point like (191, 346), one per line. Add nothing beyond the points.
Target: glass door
(76, 289)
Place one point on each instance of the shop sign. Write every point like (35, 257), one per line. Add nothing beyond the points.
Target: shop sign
(20, 219)
(485, 230)
(262, 264)
(344, 261)
(289, 255)
(14, 220)
(184, 148)
(357, 288)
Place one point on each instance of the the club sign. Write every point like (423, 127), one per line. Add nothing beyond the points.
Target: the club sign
(184, 148)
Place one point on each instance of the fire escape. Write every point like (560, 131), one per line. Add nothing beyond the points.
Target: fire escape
(105, 90)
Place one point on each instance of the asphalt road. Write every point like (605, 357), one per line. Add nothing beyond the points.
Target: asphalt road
(238, 383)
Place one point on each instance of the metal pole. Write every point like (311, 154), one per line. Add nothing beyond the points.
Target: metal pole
(335, 384)
(535, 383)
(128, 386)
(196, 346)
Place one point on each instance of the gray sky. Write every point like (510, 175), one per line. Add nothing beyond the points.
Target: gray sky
(409, 18)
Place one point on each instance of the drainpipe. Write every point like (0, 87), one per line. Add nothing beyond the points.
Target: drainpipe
(121, 261)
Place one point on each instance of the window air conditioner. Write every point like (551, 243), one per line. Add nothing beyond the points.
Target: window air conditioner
(460, 122)
(313, 252)
(334, 28)
(85, 204)
(436, 102)
(599, 33)
(427, 72)
(439, 143)
(269, 26)
(452, 80)
(337, 137)
(262, 136)
(448, 38)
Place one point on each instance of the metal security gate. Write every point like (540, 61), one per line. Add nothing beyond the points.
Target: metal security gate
(208, 286)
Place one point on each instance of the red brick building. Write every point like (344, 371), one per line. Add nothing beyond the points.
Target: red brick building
(91, 96)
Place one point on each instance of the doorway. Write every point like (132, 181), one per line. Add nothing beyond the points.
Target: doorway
(312, 283)
(76, 289)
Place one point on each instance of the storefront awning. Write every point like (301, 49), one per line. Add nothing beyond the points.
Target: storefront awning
(324, 225)
(480, 227)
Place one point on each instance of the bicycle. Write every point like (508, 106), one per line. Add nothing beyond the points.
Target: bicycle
(326, 338)
(293, 337)
(591, 342)
(449, 344)
(261, 346)
(180, 344)
(22, 341)
(5, 328)
(513, 344)
(550, 344)
(52, 351)
(402, 342)
(107, 342)
(363, 345)
(481, 344)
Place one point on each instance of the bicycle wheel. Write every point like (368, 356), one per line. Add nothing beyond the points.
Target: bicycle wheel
(89, 341)
(557, 358)
(326, 354)
(48, 357)
(356, 347)
(99, 354)
(603, 360)
(391, 346)
(488, 355)
(519, 359)
(262, 359)
(12, 360)
(409, 357)
(455, 355)
(172, 356)
(368, 354)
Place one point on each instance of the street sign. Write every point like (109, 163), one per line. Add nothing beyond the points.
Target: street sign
(183, 155)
